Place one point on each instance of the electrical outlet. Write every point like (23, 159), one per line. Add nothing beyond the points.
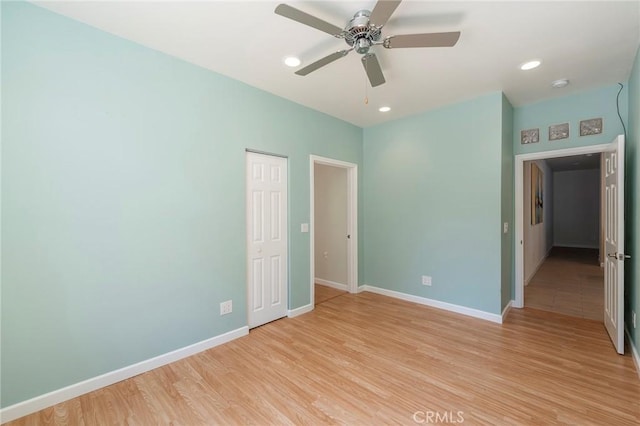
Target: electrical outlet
(633, 316)
(426, 280)
(226, 307)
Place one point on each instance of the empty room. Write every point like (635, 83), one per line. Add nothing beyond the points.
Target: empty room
(319, 212)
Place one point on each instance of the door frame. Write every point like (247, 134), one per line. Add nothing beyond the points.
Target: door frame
(518, 238)
(352, 222)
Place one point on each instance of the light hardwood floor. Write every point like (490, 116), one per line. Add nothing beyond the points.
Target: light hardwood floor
(324, 293)
(368, 359)
(571, 282)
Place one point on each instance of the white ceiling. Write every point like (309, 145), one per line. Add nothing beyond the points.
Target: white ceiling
(592, 43)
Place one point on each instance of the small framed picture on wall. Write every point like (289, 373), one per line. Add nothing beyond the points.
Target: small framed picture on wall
(593, 126)
(558, 131)
(529, 136)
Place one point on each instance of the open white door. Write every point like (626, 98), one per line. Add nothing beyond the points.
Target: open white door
(614, 243)
(267, 268)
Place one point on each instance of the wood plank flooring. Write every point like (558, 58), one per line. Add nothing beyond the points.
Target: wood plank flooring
(571, 282)
(324, 293)
(369, 359)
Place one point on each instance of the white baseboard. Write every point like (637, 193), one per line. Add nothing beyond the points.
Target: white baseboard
(506, 310)
(292, 313)
(634, 351)
(435, 304)
(38, 403)
(332, 284)
(361, 288)
(584, 246)
(535, 270)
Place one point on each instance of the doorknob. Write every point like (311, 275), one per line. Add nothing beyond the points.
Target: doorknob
(259, 250)
(619, 256)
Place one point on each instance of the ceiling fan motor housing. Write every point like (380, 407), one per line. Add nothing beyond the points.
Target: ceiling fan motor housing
(360, 34)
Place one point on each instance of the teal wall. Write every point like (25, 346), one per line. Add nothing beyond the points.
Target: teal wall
(507, 205)
(571, 109)
(632, 210)
(433, 203)
(123, 199)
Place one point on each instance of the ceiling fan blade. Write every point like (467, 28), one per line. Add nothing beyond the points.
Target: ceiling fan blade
(306, 19)
(382, 11)
(373, 70)
(322, 62)
(422, 40)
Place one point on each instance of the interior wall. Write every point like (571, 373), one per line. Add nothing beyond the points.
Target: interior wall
(508, 205)
(576, 216)
(330, 222)
(571, 109)
(123, 199)
(433, 201)
(538, 239)
(600, 102)
(632, 210)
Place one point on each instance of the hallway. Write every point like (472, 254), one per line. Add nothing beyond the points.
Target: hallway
(570, 282)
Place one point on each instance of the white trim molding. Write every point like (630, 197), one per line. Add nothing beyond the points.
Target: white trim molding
(506, 310)
(476, 313)
(292, 313)
(332, 284)
(634, 351)
(38, 403)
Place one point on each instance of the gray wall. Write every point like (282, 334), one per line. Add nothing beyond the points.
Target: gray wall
(576, 217)
(538, 239)
(330, 221)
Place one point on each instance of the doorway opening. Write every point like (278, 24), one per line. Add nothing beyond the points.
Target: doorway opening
(520, 215)
(562, 235)
(613, 250)
(333, 228)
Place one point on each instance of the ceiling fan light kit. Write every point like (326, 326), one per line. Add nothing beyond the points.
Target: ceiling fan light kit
(362, 33)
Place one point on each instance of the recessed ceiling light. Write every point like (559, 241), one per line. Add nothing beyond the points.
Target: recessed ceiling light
(558, 84)
(530, 65)
(384, 109)
(291, 61)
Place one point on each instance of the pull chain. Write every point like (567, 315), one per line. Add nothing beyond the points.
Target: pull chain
(366, 88)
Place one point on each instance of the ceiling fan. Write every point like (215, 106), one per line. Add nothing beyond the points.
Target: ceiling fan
(364, 31)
